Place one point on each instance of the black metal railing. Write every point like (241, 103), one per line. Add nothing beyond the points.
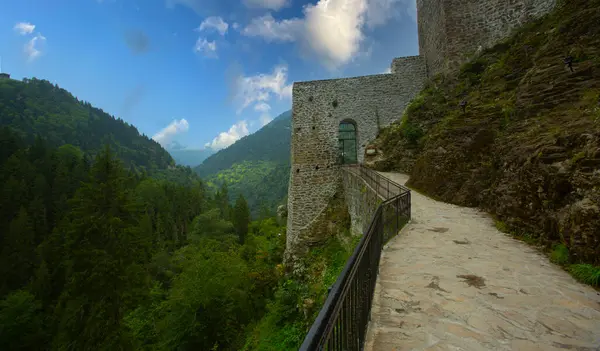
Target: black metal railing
(342, 322)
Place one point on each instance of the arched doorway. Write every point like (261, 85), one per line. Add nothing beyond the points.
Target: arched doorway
(347, 143)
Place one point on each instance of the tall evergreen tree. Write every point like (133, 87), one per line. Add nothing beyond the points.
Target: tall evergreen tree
(104, 247)
(241, 218)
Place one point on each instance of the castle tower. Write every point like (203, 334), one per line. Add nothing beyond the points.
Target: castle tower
(450, 31)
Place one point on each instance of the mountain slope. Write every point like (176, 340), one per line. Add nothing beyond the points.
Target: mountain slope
(188, 157)
(256, 166)
(527, 148)
(37, 107)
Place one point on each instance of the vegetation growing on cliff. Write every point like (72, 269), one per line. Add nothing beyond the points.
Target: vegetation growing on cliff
(300, 296)
(527, 145)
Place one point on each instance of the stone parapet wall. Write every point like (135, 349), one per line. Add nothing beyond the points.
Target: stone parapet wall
(362, 202)
(410, 68)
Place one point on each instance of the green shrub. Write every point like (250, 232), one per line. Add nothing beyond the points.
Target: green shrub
(559, 254)
(412, 133)
(586, 273)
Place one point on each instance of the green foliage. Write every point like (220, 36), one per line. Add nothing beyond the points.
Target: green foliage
(98, 257)
(586, 273)
(21, 322)
(560, 254)
(37, 107)
(298, 299)
(256, 166)
(241, 218)
(412, 132)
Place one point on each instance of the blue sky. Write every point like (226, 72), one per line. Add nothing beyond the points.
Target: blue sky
(202, 73)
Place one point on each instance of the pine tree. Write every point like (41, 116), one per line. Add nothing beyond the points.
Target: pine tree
(18, 253)
(241, 218)
(104, 247)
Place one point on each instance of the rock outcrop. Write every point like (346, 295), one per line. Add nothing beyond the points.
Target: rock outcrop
(515, 132)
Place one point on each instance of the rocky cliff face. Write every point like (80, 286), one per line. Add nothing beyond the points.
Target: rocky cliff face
(515, 132)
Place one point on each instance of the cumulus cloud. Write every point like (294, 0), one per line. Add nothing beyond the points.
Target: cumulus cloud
(137, 41)
(262, 87)
(24, 28)
(206, 48)
(331, 30)
(272, 30)
(214, 23)
(32, 48)
(224, 139)
(165, 135)
(267, 4)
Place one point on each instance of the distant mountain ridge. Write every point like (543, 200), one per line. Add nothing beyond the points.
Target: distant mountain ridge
(188, 157)
(37, 107)
(257, 165)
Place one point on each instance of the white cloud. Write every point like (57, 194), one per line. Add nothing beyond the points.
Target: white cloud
(31, 49)
(262, 107)
(267, 4)
(261, 87)
(224, 139)
(331, 30)
(24, 28)
(387, 71)
(165, 135)
(214, 23)
(265, 116)
(272, 30)
(206, 48)
(235, 25)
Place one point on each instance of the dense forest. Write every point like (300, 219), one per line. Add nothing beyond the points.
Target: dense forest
(256, 166)
(37, 107)
(106, 245)
(97, 257)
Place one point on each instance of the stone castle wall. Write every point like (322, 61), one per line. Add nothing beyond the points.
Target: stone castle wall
(432, 33)
(450, 31)
(318, 107)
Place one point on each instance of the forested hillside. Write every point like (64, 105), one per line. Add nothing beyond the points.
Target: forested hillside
(94, 257)
(256, 166)
(37, 107)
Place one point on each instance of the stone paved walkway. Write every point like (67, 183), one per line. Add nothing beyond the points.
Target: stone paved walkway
(452, 281)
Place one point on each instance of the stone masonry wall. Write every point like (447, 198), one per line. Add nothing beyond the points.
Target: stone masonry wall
(410, 68)
(450, 31)
(362, 202)
(432, 33)
(318, 107)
